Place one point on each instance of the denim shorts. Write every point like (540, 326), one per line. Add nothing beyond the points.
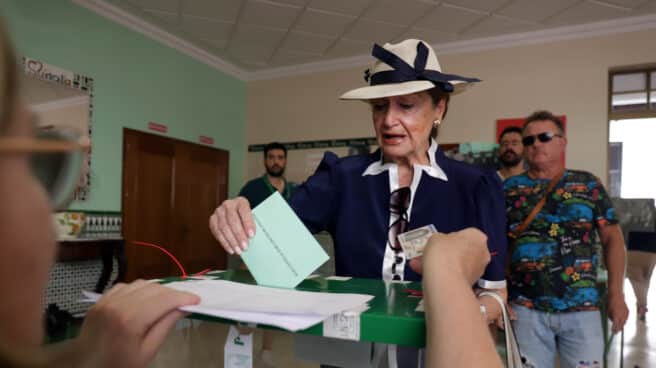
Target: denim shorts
(577, 337)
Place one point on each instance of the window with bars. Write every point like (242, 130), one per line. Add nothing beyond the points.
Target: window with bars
(633, 93)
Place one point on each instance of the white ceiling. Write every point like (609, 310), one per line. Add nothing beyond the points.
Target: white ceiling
(260, 35)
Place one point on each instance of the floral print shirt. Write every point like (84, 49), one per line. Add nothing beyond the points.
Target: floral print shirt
(553, 262)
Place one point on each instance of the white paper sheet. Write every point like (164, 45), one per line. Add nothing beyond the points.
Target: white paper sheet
(338, 278)
(420, 306)
(292, 310)
(228, 295)
(290, 322)
(344, 325)
(238, 350)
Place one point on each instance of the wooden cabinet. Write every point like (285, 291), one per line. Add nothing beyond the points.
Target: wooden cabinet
(170, 188)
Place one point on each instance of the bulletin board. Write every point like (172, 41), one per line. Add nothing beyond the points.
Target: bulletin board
(303, 157)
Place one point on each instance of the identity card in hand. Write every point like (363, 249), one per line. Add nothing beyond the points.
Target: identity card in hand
(414, 241)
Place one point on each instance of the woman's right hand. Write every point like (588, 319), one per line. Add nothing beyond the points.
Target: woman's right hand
(232, 224)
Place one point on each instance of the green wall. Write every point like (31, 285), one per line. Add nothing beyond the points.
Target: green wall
(137, 80)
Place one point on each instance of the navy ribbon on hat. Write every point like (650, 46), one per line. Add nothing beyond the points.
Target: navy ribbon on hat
(402, 72)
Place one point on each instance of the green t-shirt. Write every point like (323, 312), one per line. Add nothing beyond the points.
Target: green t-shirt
(259, 189)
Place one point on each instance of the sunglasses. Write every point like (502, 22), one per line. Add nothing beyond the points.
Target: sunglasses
(529, 140)
(55, 160)
(399, 203)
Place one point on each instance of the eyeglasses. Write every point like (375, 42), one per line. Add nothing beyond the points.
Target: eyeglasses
(55, 160)
(542, 137)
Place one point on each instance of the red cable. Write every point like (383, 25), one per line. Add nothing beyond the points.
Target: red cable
(201, 273)
(184, 273)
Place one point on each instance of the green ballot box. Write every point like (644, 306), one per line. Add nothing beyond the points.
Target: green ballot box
(392, 317)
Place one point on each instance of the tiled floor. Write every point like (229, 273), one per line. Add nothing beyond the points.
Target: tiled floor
(639, 336)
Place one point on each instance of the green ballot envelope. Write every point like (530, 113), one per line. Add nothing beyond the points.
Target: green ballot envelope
(283, 252)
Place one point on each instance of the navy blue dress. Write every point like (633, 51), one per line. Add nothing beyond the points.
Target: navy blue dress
(354, 209)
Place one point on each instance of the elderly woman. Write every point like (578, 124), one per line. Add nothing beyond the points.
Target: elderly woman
(365, 201)
(127, 326)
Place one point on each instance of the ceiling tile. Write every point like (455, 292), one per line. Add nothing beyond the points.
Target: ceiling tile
(215, 44)
(254, 45)
(481, 5)
(166, 5)
(367, 30)
(307, 43)
(204, 28)
(251, 54)
(429, 35)
(262, 39)
(134, 3)
(648, 7)
(324, 23)
(268, 14)
(626, 3)
(449, 19)
(257, 37)
(288, 57)
(224, 10)
(349, 7)
(535, 10)
(129, 5)
(494, 26)
(398, 12)
(297, 3)
(346, 47)
(163, 16)
(586, 12)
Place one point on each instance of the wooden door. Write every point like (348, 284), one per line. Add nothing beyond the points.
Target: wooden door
(170, 188)
(200, 185)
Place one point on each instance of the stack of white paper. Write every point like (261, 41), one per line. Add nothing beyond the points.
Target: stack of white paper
(292, 310)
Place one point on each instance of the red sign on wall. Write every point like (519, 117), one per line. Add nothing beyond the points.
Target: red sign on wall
(205, 139)
(158, 127)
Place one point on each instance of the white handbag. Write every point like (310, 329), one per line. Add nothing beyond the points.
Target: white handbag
(513, 357)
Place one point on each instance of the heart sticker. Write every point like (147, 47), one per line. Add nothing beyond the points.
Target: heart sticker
(34, 66)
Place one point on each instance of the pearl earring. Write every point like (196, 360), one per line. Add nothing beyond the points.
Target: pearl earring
(436, 123)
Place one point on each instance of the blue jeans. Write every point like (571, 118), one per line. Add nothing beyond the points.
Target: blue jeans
(577, 336)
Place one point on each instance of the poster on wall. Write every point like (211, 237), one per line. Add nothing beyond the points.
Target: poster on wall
(303, 157)
(61, 100)
(519, 122)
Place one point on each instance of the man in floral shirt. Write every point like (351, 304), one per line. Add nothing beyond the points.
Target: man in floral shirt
(553, 262)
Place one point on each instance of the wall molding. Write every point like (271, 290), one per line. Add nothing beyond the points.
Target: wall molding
(130, 21)
(120, 16)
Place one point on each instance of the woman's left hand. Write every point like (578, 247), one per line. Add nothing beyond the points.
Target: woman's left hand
(129, 324)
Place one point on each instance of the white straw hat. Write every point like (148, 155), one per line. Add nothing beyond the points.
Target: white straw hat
(406, 67)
